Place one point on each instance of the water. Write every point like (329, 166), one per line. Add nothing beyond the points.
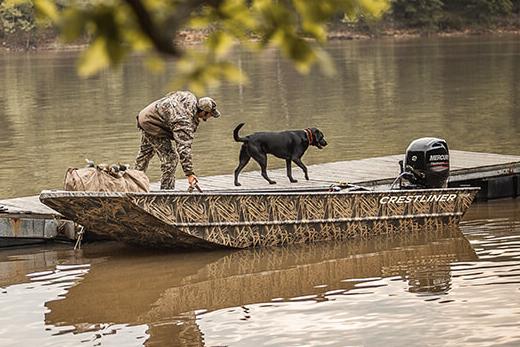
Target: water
(454, 287)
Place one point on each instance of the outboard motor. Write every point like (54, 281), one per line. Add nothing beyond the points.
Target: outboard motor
(426, 163)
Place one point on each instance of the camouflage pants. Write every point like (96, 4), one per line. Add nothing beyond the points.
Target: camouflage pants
(167, 154)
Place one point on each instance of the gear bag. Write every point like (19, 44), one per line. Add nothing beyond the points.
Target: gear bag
(94, 179)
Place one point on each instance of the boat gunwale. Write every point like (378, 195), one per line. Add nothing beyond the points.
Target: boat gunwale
(288, 192)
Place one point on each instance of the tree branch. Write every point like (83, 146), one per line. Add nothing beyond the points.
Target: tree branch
(163, 44)
(166, 43)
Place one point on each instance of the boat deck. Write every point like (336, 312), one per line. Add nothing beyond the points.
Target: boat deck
(496, 174)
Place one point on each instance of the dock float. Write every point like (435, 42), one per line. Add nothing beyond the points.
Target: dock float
(26, 220)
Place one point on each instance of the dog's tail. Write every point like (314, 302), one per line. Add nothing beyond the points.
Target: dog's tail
(235, 133)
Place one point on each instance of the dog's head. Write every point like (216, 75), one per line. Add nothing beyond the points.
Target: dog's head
(318, 139)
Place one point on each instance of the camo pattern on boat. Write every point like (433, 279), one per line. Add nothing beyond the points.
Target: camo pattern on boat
(240, 220)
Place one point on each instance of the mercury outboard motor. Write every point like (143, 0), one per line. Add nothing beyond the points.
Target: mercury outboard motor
(426, 163)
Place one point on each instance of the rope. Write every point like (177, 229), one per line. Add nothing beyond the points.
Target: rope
(340, 184)
(80, 237)
(327, 181)
(397, 178)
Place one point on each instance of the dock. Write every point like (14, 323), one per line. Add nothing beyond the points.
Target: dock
(26, 220)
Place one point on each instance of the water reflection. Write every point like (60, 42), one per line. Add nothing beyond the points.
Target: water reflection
(167, 292)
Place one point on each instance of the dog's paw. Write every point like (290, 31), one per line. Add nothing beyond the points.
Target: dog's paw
(307, 178)
(272, 182)
(294, 181)
(237, 184)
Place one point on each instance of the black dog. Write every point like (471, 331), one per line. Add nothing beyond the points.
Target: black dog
(288, 145)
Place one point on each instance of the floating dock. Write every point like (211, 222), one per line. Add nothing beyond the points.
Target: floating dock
(26, 220)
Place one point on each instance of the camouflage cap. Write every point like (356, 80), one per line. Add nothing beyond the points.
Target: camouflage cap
(208, 105)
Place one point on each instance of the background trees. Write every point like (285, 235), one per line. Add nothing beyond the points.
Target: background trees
(17, 18)
(417, 13)
(445, 14)
(116, 28)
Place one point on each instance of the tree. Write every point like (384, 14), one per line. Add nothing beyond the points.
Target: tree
(418, 13)
(16, 16)
(516, 6)
(479, 11)
(117, 28)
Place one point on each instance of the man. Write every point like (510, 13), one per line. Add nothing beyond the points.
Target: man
(175, 118)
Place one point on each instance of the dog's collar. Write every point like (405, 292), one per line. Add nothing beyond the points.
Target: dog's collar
(308, 132)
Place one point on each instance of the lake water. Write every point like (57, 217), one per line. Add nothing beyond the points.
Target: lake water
(455, 287)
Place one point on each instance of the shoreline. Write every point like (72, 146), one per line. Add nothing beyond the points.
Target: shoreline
(51, 43)
(413, 34)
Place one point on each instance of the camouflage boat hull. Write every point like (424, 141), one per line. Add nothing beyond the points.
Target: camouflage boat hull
(240, 219)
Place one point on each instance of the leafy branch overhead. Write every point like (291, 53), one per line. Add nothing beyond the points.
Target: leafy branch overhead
(117, 28)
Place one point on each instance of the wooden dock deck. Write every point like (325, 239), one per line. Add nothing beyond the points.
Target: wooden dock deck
(378, 172)
(497, 175)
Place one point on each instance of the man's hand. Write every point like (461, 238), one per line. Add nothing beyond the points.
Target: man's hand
(192, 180)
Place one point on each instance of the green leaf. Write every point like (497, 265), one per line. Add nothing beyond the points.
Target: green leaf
(155, 64)
(325, 62)
(94, 59)
(220, 43)
(316, 30)
(138, 41)
(233, 74)
(47, 9)
(72, 24)
(375, 8)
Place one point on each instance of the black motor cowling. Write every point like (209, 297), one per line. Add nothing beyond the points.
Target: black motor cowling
(427, 163)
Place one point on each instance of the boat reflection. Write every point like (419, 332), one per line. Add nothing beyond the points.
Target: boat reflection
(167, 291)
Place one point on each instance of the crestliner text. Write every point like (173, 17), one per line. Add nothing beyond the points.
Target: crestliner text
(406, 199)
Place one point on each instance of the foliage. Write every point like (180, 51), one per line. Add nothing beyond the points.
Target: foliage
(120, 27)
(516, 6)
(418, 13)
(16, 16)
(430, 14)
(479, 11)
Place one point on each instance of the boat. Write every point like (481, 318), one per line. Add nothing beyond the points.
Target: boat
(242, 219)
(272, 217)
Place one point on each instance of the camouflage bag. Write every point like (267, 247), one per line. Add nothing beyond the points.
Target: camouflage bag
(96, 179)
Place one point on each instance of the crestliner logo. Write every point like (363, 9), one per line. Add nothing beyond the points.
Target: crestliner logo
(407, 199)
(437, 157)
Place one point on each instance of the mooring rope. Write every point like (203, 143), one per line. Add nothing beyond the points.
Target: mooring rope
(340, 184)
(80, 237)
(397, 178)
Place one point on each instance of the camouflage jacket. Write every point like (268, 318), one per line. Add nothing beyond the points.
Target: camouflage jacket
(175, 117)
